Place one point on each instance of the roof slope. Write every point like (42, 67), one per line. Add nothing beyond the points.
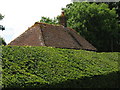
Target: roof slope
(42, 34)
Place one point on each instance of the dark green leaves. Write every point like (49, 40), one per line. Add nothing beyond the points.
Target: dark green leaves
(96, 23)
(25, 66)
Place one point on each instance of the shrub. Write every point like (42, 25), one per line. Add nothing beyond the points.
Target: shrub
(25, 66)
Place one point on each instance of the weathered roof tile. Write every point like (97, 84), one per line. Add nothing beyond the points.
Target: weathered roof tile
(42, 34)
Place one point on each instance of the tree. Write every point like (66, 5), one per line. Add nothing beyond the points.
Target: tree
(115, 5)
(1, 16)
(112, 5)
(2, 41)
(1, 27)
(49, 20)
(96, 23)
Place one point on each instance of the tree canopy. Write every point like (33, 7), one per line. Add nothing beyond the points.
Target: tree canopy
(2, 41)
(1, 16)
(97, 23)
(115, 5)
(1, 27)
(49, 20)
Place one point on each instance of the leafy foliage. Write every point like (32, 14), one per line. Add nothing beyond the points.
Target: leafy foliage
(97, 23)
(1, 16)
(2, 41)
(48, 20)
(50, 67)
(115, 5)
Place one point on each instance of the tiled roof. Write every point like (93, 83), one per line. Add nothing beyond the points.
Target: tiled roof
(42, 34)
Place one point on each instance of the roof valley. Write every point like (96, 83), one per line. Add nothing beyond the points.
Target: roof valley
(41, 38)
(42, 34)
(73, 37)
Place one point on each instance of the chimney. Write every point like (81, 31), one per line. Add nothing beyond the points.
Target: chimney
(63, 19)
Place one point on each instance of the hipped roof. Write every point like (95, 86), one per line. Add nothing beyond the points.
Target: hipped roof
(42, 34)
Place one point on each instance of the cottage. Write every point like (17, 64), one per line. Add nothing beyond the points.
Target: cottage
(59, 36)
(42, 34)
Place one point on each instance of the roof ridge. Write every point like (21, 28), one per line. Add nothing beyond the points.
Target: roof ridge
(44, 34)
(47, 24)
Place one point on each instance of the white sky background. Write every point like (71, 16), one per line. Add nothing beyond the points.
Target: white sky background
(21, 14)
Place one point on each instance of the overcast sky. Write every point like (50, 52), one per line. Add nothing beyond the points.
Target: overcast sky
(21, 14)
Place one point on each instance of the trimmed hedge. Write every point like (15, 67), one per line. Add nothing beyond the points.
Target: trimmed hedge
(26, 66)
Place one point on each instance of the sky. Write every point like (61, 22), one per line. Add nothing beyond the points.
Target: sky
(22, 14)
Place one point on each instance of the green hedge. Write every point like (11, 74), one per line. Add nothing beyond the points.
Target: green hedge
(25, 66)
